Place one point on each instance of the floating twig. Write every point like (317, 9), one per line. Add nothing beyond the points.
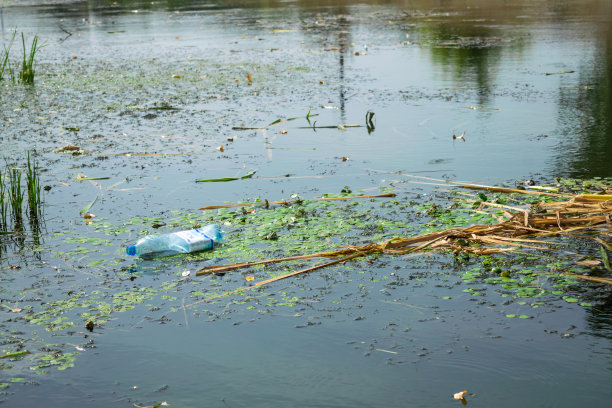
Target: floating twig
(560, 72)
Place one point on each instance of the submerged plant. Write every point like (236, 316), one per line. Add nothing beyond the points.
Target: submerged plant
(26, 75)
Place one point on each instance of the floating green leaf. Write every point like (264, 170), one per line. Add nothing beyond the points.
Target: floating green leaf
(246, 176)
(15, 354)
(87, 207)
(604, 258)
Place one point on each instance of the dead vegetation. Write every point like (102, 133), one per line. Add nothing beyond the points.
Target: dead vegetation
(520, 228)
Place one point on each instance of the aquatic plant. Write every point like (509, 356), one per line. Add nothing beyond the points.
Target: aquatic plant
(33, 187)
(26, 75)
(15, 196)
(5, 63)
(3, 206)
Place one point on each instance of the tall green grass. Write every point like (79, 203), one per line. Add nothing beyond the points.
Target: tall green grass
(3, 206)
(13, 195)
(16, 197)
(5, 62)
(26, 75)
(27, 72)
(33, 188)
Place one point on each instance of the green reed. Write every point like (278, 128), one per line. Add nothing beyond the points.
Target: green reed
(3, 205)
(33, 187)
(15, 196)
(27, 68)
(5, 63)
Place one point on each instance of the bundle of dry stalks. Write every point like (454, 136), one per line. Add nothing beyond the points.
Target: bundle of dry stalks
(578, 213)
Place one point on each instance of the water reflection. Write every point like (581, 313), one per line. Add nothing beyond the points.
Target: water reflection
(468, 54)
(468, 47)
(586, 115)
(599, 318)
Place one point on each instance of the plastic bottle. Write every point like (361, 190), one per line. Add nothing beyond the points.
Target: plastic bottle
(182, 242)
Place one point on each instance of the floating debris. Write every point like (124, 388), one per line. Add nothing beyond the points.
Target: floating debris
(581, 212)
(560, 72)
(462, 137)
(73, 149)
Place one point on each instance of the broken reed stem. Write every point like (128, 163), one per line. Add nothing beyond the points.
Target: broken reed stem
(312, 268)
(461, 184)
(590, 278)
(277, 278)
(508, 190)
(214, 207)
(222, 268)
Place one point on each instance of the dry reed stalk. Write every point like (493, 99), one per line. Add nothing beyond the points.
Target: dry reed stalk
(563, 220)
(507, 190)
(214, 207)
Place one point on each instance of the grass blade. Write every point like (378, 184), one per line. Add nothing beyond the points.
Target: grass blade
(87, 207)
(248, 175)
(224, 179)
(16, 196)
(3, 205)
(604, 258)
(33, 187)
(5, 63)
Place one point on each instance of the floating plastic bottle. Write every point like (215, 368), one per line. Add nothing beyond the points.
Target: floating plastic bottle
(182, 242)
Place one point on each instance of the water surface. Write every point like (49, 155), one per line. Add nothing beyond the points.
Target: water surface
(155, 88)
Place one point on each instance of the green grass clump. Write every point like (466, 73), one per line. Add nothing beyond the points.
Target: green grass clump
(12, 195)
(3, 206)
(15, 196)
(26, 75)
(5, 63)
(33, 188)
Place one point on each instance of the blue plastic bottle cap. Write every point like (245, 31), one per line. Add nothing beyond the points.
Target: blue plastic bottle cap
(131, 250)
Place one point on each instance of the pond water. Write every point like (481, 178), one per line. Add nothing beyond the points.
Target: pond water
(150, 91)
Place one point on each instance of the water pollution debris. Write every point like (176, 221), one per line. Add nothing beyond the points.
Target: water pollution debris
(461, 396)
(461, 137)
(285, 202)
(181, 242)
(71, 149)
(579, 212)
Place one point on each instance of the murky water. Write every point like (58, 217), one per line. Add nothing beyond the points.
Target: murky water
(151, 90)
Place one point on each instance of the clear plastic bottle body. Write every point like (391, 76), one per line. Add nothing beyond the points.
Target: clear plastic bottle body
(181, 242)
